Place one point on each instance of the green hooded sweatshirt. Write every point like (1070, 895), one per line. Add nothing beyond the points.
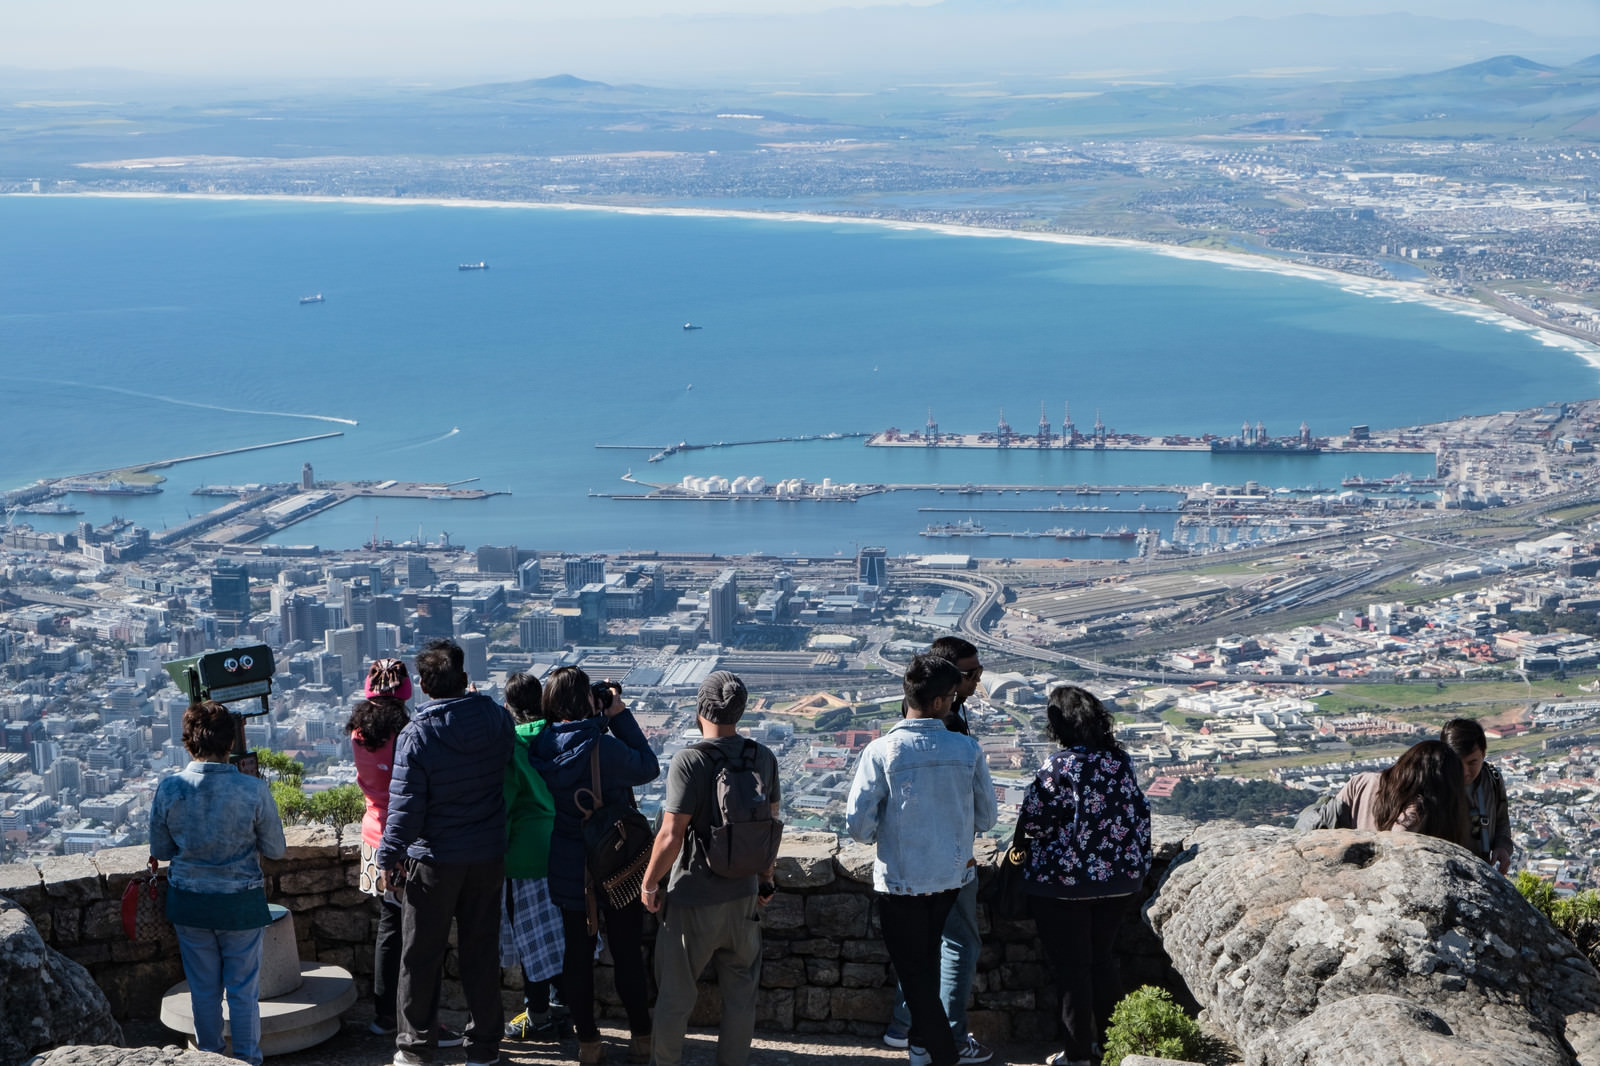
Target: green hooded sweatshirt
(530, 812)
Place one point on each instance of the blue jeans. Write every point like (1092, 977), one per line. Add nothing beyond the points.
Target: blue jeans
(958, 965)
(220, 962)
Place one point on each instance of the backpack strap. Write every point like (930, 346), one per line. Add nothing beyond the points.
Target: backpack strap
(596, 796)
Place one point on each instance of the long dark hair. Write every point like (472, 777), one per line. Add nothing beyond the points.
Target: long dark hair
(566, 695)
(377, 720)
(1077, 719)
(1428, 776)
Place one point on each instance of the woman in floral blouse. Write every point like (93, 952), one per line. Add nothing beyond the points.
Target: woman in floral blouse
(1089, 830)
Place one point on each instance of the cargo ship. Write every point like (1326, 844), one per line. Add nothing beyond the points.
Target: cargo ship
(109, 488)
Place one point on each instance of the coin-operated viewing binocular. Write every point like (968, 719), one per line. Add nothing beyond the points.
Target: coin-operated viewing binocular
(231, 676)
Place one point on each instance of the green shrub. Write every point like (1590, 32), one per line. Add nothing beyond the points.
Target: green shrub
(1148, 1022)
(1577, 916)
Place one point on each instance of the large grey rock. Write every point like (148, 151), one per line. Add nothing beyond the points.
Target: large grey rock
(45, 997)
(129, 1056)
(1346, 947)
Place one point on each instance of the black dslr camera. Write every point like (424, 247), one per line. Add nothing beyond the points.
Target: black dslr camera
(606, 692)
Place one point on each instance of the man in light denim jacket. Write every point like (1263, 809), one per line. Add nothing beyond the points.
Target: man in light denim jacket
(920, 793)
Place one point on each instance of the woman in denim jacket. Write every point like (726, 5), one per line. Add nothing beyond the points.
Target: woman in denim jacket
(214, 823)
(1089, 830)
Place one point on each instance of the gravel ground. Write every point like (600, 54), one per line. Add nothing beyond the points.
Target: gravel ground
(354, 1046)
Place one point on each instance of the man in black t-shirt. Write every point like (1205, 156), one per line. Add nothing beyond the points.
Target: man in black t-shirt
(707, 917)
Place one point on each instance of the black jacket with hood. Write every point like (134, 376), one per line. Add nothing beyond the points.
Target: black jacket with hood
(561, 755)
(446, 802)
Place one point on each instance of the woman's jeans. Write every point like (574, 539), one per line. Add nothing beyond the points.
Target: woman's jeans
(220, 962)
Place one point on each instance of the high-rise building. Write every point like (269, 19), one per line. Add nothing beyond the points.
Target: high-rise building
(724, 613)
(541, 631)
(302, 619)
(348, 645)
(419, 575)
(435, 617)
(494, 560)
(230, 592)
(530, 577)
(592, 611)
(872, 566)
(583, 571)
(475, 649)
(308, 480)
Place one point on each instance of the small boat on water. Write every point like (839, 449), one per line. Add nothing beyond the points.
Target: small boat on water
(316, 299)
(480, 265)
(691, 325)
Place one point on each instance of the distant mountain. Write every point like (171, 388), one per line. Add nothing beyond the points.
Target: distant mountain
(1499, 67)
(1591, 63)
(1503, 96)
(565, 81)
(561, 83)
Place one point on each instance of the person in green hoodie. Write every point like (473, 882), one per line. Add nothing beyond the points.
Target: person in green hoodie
(530, 924)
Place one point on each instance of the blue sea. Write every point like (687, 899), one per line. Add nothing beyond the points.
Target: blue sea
(139, 329)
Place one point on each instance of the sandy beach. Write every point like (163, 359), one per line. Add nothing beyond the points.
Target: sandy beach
(1371, 288)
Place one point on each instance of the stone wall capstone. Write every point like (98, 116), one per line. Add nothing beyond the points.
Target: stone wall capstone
(824, 969)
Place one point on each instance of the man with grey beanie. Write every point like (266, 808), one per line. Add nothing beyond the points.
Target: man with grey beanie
(719, 841)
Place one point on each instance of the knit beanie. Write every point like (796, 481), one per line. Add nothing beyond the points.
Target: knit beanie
(722, 698)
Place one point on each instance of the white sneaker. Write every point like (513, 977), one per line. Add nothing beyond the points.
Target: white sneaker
(896, 1037)
(402, 1057)
(973, 1052)
(919, 1056)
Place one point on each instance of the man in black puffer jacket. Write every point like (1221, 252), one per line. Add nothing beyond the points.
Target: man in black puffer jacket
(444, 846)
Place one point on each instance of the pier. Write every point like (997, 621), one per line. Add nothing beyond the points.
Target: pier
(669, 450)
(275, 508)
(852, 491)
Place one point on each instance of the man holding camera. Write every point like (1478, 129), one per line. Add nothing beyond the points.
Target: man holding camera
(443, 849)
(716, 792)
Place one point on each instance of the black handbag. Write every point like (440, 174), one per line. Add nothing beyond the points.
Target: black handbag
(616, 841)
(1004, 894)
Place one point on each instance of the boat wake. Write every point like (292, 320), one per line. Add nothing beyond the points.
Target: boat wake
(195, 403)
(431, 440)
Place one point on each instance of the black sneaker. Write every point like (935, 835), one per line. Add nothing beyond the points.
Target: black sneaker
(448, 1037)
(526, 1026)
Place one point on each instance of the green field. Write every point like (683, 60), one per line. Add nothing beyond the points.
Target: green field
(1469, 699)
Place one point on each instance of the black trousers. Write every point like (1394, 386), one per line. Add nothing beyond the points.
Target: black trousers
(624, 932)
(913, 928)
(1079, 937)
(386, 962)
(434, 894)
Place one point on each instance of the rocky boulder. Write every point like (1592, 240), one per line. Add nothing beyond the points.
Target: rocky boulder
(45, 997)
(1346, 947)
(130, 1056)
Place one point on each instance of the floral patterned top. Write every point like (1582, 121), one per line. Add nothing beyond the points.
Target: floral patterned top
(1088, 824)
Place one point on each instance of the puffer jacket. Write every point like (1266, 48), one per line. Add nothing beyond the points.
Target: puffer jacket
(561, 755)
(446, 799)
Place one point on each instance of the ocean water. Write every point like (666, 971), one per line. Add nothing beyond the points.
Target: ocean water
(132, 330)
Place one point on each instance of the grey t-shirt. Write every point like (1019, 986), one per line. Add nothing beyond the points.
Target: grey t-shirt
(691, 790)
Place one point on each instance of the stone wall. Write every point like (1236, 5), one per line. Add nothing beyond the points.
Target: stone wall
(825, 969)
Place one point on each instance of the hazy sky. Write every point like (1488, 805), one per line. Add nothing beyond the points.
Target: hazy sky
(453, 40)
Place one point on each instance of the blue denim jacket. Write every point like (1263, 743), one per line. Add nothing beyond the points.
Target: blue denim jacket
(920, 793)
(215, 823)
